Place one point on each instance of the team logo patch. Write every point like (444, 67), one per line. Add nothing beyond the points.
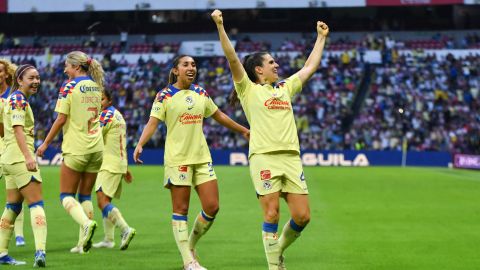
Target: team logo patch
(183, 168)
(265, 175)
(267, 185)
(189, 101)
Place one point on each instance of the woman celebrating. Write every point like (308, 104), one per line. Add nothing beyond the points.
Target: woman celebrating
(7, 71)
(78, 107)
(182, 106)
(275, 166)
(112, 172)
(22, 176)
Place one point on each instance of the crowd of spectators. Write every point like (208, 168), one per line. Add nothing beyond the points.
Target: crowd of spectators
(433, 103)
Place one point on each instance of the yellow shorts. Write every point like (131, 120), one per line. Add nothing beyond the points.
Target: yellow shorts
(189, 175)
(110, 183)
(17, 176)
(277, 171)
(84, 163)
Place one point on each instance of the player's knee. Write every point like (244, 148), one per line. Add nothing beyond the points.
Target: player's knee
(212, 209)
(272, 215)
(181, 209)
(303, 219)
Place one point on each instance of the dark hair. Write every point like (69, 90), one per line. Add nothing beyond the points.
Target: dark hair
(250, 62)
(172, 78)
(108, 94)
(19, 75)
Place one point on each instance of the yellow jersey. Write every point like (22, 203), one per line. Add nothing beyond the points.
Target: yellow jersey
(17, 112)
(268, 109)
(114, 130)
(183, 111)
(80, 99)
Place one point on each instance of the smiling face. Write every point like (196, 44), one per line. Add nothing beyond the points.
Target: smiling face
(70, 70)
(186, 70)
(29, 81)
(269, 69)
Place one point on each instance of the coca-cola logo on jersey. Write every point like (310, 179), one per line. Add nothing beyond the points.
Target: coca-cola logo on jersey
(187, 118)
(276, 104)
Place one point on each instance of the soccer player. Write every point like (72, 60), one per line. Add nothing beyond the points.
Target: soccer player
(7, 71)
(78, 107)
(113, 171)
(22, 176)
(274, 155)
(182, 105)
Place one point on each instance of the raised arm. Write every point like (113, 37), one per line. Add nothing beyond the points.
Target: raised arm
(236, 66)
(315, 56)
(227, 122)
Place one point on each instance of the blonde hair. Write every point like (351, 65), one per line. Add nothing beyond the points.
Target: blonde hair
(89, 65)
(10, 69)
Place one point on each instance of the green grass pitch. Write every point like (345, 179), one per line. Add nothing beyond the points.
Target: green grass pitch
(362, 218)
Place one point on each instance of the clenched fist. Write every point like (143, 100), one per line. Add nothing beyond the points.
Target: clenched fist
(322, 28)
(217, 16)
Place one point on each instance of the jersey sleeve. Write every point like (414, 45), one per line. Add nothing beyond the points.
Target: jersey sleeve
(210, 107)
(158, 108)
(65, 98)
(293, 84)
(18, 108)
(105, 119)
(242, 87)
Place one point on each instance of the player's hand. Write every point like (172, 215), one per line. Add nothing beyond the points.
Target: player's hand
(322, 28)
(41, 150)
(128, 177)
(136, 154)
(31, 164)
(246, 135)
(217, 17)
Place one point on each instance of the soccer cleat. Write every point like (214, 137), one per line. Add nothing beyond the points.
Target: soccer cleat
(20, 241)
(281, 263)
(40, 260)
(77, 249)
(194, 265)
(127, 236)
(5, 259)
(104, 244)
(88, 231)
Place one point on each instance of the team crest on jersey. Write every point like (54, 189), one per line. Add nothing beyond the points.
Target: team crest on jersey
(190, 102)
(267, 185)
(183, 168)
(17, 101)
(265, 175)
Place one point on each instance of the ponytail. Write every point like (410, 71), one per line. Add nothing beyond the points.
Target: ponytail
(91, 66)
